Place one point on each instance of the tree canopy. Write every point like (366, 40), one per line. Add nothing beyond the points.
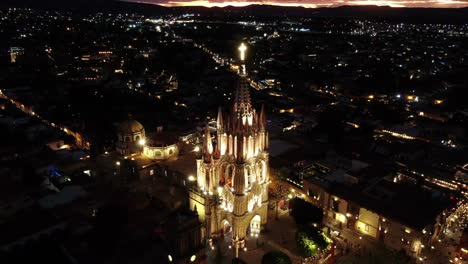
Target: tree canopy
(310, 240)
(305, 213)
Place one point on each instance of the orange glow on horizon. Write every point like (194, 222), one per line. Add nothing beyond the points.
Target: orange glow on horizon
(310, 4)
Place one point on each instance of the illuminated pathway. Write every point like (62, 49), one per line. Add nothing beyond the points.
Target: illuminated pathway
(79, 140)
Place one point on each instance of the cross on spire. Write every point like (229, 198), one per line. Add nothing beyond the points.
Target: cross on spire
(242, 49)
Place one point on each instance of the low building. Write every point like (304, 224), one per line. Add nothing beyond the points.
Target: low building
(184, 241)
(161, 146)
(399, 213)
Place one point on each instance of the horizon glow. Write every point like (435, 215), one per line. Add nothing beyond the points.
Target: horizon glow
(310, 3)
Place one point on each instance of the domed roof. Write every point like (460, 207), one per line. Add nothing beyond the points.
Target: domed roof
(130, 126)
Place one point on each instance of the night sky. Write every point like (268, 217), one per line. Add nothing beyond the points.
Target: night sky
(313, 3)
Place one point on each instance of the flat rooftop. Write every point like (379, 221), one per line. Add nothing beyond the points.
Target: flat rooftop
(407, 203)
(185, 163)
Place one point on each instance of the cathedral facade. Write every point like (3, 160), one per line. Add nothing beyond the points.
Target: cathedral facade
(231, 192)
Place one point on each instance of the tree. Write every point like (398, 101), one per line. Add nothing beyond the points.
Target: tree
(305, 213)
(310, 240)
(276, 257)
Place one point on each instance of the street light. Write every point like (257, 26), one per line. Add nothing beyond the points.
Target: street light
(191, 178)
(142, 142)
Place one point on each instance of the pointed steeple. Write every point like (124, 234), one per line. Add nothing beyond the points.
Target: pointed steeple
(242, 105)
(220, 122)
(242, 97)
(262, 119)
(217, 151)
(207, 145)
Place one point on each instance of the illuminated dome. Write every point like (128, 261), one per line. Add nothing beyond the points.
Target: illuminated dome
(130, 134)
(130, 126)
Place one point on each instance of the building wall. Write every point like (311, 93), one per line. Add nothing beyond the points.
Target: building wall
(197, 202)
(368, 223)
(346, 214)
(161, 153)
(128, 143)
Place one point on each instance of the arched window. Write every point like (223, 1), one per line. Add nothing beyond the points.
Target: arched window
(230, 174)
(250, 176)
(261, 170)
(222, 174)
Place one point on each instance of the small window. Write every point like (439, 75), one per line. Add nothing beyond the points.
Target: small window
(151, 172)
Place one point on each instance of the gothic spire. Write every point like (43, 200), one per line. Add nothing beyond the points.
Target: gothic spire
(242, 104)
(262, 120)
(207, 145)
(217, 151)
(220, 122)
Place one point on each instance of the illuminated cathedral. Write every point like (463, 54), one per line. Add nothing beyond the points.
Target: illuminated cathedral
(231, 192)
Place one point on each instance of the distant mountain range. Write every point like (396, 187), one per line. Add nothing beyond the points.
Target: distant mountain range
(456, 15)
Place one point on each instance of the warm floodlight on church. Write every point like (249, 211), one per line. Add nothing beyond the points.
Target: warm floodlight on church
(142, 142)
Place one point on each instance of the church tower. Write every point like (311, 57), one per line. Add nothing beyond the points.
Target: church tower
(231, 195)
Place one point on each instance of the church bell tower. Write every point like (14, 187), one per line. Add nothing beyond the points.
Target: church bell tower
(231, 193)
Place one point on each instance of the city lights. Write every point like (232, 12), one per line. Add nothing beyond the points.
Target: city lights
(316, 137)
